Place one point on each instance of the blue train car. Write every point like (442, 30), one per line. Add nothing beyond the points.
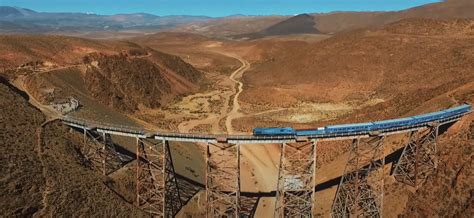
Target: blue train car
(430, 117)
(274, 131)
(387, 124)
(458, 110)
(365, 127)
(442, 114)
(349, 128)
(305, 132)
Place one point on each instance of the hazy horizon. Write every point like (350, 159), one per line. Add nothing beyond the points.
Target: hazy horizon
(211, 8)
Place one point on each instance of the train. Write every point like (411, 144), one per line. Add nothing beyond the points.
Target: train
(365, 127)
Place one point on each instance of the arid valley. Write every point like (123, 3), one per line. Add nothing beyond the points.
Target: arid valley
(222, 77)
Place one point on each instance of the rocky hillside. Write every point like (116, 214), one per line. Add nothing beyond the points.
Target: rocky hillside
(126, 82)
(21, 50)
(448, 192)
(43, 170)
(119, 74)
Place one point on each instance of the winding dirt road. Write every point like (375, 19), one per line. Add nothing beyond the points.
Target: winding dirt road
(229, 115)
(235, 112)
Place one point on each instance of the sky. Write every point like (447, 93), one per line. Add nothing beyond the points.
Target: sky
(212, 8)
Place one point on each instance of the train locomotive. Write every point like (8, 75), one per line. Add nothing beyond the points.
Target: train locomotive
(365, 127)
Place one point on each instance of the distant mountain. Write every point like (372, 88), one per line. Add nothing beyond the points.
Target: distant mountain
(15, 12)
(231, 26)
(29, 21)
(334, 22)
(299, 24)
(20, 20)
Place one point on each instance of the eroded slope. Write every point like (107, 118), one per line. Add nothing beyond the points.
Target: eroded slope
(126, 83)
(43, 171)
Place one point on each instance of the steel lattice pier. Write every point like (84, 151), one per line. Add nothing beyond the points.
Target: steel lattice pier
(223, 180)
(360, 192)
(296, 180)
(157, 187)
(418, 159)
(100, 153)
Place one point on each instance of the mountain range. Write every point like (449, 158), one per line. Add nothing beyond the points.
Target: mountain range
(14, 20)
(326, 23)
(21, 20)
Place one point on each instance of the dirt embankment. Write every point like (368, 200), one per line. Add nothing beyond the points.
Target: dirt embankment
(22, 183)
(43, 171)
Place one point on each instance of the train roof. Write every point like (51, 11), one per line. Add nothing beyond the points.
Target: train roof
(394, 120)
(430, 114)
(273, 128)
(312, 128)
(349, 125)
(460, 107)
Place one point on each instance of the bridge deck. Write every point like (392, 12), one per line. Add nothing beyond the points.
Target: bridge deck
(240, 139)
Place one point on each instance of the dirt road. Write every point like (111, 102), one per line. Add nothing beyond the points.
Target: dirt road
(235, 112)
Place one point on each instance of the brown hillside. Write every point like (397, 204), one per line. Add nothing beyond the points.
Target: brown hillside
(42, 170)
(196, 49)
(171, 38)
(124, 75)
(378, 63)
(60, 50)
(346, 21)
(125, 82)
(299, 24)
(334, 22)
(229, 26)
(448, 192)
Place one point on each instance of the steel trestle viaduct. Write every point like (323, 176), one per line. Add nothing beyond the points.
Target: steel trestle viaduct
(162, 192)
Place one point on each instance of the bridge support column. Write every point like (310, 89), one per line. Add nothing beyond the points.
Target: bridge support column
(156, 185)
(360, 192)
(296, 180)
(104, 156)
(223, 180)
(99, 151)
(418, 159)
(248, 206)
